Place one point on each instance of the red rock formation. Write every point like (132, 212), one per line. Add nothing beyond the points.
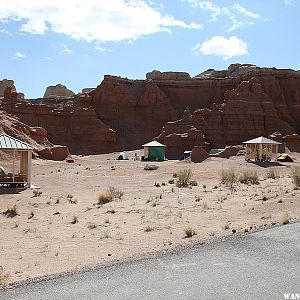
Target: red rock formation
(227, 107)
(229, 151)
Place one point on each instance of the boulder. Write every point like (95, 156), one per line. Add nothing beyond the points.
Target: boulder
(199, 154)
(54, 153)
(229, 151)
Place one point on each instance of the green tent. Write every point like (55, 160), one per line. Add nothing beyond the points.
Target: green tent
(154, 151)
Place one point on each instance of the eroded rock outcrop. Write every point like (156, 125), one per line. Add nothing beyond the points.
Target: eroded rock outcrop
(225, 108)
(58, 90)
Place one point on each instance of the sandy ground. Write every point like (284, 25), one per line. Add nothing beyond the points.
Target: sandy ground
(42, 240)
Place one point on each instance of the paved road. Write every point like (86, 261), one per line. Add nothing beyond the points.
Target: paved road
(262, 265)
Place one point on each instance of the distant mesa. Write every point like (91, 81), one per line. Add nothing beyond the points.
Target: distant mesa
(157, 75)
(56, 91)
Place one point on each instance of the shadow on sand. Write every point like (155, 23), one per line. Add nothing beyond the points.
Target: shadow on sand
(268, 164)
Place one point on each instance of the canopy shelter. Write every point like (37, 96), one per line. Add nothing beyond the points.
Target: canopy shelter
(20, 175)
(261, 149)
(154, 151)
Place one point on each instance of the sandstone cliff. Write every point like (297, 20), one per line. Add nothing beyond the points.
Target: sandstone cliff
(224, 108)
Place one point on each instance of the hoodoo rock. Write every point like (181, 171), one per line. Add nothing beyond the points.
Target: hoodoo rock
(4, 84)
(58, 90)
(225, 108)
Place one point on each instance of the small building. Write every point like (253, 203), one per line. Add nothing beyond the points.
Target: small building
(154, 151)
(261, 149)
(18, 173)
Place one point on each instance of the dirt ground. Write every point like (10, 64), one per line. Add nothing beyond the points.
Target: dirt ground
(43, 238)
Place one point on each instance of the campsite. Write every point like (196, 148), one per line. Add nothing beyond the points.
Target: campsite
(100, 210)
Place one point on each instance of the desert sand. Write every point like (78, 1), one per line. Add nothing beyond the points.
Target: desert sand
(43, 238)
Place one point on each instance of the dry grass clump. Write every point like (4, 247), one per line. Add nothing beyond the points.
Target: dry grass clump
(92, 226)
(105, 197)
(189, 232)
(228, 178)
(71, 199)
(116, 193)
(193, 183)
(150, 167)
(296, 176)
(171, 181)
(148, 229)
(286, 218)
(249, 177)
(272, 173)
(109, 195)
(11, 211)
(184, 178)
(4, 276)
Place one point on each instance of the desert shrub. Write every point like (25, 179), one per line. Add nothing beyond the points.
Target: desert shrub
(286, 218)
(150, 167)
(183, 178)
(11, 211)
(249, 177)
(175, 175)
(228, 178)
(189, 232)
(272, 173)
(193, 183)
(157, 184)
(105, 197)
(171, 181)
(296, 176)
(116, 193)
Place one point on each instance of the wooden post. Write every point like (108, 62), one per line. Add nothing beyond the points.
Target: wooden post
(276, 151)
(260, 151)
(14, 158)
(29, 167)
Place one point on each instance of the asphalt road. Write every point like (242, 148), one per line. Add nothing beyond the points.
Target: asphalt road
(262, 265)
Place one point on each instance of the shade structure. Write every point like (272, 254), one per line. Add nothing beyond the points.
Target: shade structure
(261, 149)
(20, 175)
(154, 151)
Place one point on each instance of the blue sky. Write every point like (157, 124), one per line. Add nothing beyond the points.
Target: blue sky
(76, 42)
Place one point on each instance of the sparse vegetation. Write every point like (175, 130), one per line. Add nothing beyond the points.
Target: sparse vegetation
(4, 276)
(175, 175)
(226, 226)
(249, 177)
(272, 173)
(157, 184)
(31, 215)
(75, 220)
(150, 167)
(37, 193)
(11, 211)
(296, 176)
(92, 226)
(189, 232)
(171, 181)
(228, 178)
(71, 199)
(193, 183)
(116, 193)
(286, 218)
(148, 229)
(104, 198)
(109, 195)
(183, 178)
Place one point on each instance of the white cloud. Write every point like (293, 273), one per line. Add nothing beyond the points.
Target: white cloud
(222, 46)
(65, 50)
(19, 55)
(238, 15)
(90, 20)
(4, 31)
(246, 12)
(215, 10)
(288, 2)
